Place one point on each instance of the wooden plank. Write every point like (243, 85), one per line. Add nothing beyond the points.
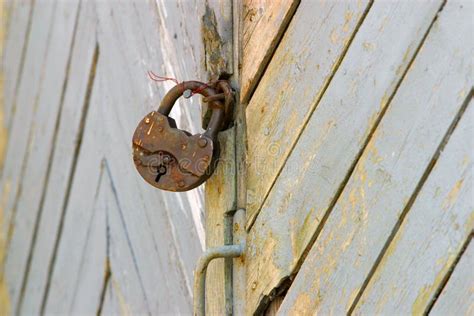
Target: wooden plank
(41, 144)
(67, 146)
(94, 253)
(14, 51)
(293, 83)
(124, 274)
(457, 298)
(63, 277)
(264, 22)
(216, 32)
(430, 237)
(28, 91)
(331, 142)
(163, 214)
(395, 162)
(220, 199)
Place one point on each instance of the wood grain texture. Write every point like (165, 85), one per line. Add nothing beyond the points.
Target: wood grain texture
(430, 237)
(264, 22)
(394, 163)
(293, 83)
(217, 37)
(331, 142)
(220, 199)
(64, 159)
(41, 143)
(457, 297)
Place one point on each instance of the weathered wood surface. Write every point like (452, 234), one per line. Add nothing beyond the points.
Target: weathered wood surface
(291, 87)
(264, 22)
(395, 163)
(68, 253)
(295, 209)
(457, 297)
(28, 90)
(220, 200)
(42, 134)
(64, 158)
(431, 236)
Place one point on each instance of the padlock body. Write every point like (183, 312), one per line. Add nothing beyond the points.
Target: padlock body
(169, 158)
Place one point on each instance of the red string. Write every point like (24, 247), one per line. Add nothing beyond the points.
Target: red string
(158, 78)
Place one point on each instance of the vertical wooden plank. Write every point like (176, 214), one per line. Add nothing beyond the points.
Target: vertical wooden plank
(41, 144)
(431, 236)
(331, 143)
(294, 81)
(220, 199)
(387, 177)
(264, 22)
(217, 37)
(457, 297)
(64, 161)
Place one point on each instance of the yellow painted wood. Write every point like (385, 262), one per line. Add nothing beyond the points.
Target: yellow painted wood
(292, 86)
(264, 22)
(317, 169)
(386, 179)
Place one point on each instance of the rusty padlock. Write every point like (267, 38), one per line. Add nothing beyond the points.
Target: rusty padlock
(175, 160)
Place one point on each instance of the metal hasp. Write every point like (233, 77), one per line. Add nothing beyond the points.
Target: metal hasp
(172, 159)
(229, 251)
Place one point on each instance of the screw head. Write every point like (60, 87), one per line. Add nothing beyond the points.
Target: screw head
(202, 142)
(181, 184)
(147, 120)
(187, 93)
(166, 159)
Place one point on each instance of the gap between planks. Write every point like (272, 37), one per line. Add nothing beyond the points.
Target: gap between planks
(412, 199)
(253, 217)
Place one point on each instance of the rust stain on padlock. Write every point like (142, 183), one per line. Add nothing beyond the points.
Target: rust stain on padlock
(172, 159)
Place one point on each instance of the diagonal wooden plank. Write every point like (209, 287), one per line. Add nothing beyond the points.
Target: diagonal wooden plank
(28, 92)
(394, 164)
(64, 161)
(125, 275)
(41, 144)
(433, 233)
(457, 297)
(15, 47)
(294, 81)
(264, 22)
(79, 209)
(332, 141)
(93, 255)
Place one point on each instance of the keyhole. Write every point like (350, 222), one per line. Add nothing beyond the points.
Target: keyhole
(161, 171)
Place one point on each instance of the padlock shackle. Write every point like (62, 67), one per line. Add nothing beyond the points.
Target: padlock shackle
(217, 118)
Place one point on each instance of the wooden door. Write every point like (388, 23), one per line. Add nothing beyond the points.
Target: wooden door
(359, 133)
(81, 232)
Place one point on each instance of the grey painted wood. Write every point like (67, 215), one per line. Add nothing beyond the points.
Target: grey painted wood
(28, 91)
(13, 52)
(431, 236)
(331, 142)
(64, 160)
(162, 231)
(457, 297)
(385, 178)
(41, 143)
